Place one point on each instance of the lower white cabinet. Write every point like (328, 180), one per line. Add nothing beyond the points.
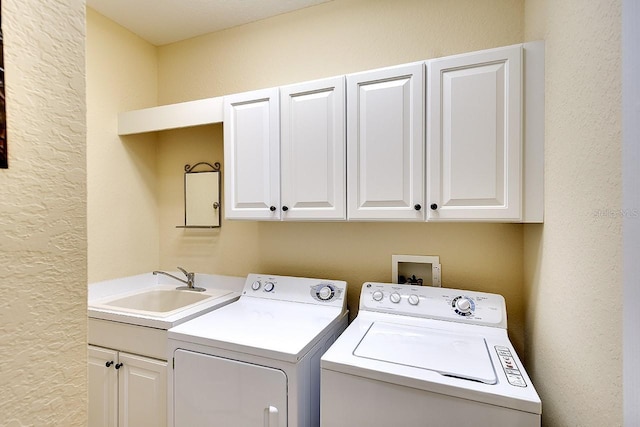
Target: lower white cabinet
(126, 390)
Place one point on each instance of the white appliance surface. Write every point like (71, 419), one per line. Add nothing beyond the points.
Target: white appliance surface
(275, 329)
(421, 350)
(451, 354)
(243, 387)
(256, 361)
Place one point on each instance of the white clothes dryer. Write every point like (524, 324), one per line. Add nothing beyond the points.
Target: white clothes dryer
(256, 362)
(423, 356)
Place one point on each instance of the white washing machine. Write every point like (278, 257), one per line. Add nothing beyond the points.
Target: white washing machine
(256, 362)
(423, 356)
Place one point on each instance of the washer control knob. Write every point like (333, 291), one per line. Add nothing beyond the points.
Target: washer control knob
(395, 297)
(414, 299)
(463, 305)
(268, 287)
(325, 293)
(256, 285)
(377, 296)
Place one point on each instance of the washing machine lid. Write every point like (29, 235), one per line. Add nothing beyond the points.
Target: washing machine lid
(448, 353)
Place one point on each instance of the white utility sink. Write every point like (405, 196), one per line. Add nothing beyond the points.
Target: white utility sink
(158, 301)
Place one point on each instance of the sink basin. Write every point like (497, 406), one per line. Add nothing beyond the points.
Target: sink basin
(159, 301)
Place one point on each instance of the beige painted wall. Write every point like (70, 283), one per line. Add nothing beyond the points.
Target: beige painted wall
(123, 218)
(338, 37)
(43, 272)
(573, 262)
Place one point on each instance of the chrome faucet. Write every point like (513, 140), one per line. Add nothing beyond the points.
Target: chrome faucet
(189, 282)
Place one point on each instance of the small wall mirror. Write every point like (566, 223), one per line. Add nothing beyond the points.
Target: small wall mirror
(202, 195)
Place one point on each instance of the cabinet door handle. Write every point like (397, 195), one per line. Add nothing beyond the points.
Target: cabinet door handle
(109, 363)
(285, 208)
(434, 206)
(272, 208)
(119, 365)
(417, 207)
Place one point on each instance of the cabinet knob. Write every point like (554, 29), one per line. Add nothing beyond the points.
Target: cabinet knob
(285, 208)
(417, 207)
(118, 365)
(272, 208)
(109, 363)
(434, 206)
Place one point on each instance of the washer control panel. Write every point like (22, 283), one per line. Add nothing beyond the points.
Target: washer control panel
(437, 303)
(511, 370)
(296, 289)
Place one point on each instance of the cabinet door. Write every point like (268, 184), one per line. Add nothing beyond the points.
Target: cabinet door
(312, 161)
(142, 391)
(474, 136)
(103, 387)
(233, 393)
(385, 143)
(252, 155)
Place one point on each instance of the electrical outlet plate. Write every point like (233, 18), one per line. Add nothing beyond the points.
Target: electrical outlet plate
(424, 267)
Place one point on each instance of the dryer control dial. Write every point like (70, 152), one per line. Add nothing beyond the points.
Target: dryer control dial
(463, 306)
(395, 297)
(377, 296)
(325, 293)
(269, 286)
(414, 299)
(256, 285)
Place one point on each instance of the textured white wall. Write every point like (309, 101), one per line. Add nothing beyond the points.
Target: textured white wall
(122, 213)
(573, 263)
(43, 273)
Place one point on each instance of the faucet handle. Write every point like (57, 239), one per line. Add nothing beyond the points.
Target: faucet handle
(183, 271)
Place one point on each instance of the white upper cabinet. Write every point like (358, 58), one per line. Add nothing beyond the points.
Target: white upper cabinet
(252, 155)
(474, 136)
(441, 140)
(385, 144)
(312, 147)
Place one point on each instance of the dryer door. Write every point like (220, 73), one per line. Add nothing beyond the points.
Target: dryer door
(211, 390)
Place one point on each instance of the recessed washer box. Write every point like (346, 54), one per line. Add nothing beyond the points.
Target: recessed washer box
(423, 270)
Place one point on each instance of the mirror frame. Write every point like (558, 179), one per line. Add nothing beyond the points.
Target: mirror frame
(188, 170)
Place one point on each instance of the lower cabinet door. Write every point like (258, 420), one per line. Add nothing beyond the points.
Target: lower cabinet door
(211, 390)
(103, 387)
(142, 391)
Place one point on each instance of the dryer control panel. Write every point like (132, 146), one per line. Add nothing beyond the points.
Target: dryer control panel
(296, 289)
(455, 305)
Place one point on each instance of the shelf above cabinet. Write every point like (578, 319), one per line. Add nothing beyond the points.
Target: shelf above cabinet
(172, 116)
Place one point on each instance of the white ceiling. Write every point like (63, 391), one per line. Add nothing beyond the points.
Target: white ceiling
(166, 21)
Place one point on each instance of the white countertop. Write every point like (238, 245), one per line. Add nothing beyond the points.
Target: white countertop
(100, 291)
